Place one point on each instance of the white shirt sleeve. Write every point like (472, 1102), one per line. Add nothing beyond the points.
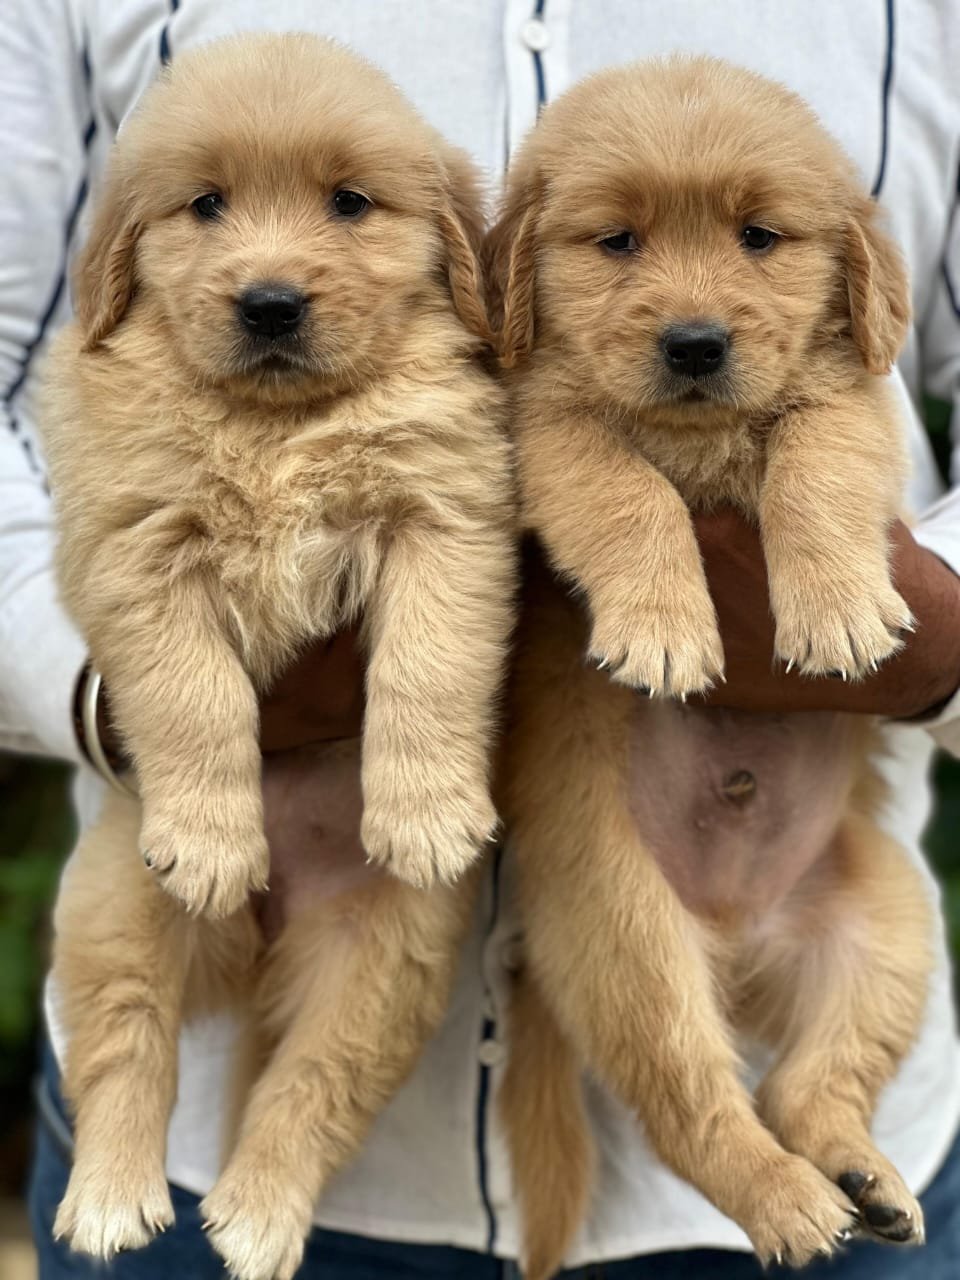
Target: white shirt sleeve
(45, 129)
(939, 527)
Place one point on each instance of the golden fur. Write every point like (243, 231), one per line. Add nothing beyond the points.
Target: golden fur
(223, 502)
(644, 969)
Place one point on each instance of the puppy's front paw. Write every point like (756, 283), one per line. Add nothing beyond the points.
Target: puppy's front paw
(257, 1225)
(797, 1215)
(113, 1205)
(211, 867)
(424, 834)
(673, 650)
(845, 630)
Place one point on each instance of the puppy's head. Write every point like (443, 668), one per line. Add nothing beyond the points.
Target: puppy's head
(281, 211)
(686, 236)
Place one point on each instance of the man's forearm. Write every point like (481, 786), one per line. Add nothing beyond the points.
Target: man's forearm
(915, 682)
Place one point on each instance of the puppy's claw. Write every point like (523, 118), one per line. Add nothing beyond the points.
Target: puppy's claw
(791, 663)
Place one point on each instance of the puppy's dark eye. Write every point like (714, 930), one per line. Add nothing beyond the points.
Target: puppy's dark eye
(349, 204)
(622, 242)
(757, 238)
(209, 205)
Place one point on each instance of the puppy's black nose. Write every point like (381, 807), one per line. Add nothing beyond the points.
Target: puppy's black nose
(695, 350)
(271, 310)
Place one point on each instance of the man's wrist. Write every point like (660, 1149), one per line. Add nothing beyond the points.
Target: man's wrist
(928, 671)
(91, 729)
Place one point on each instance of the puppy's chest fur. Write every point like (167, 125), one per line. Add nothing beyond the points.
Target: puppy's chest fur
(708, 466)
(285, 513)
(295, 530)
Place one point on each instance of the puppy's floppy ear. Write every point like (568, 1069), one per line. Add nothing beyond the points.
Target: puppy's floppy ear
(460, 220)
(104, 278)
(877, 289)
(509, 259)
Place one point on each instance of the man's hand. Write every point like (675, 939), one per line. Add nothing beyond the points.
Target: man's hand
(924, 674)
(319, 698)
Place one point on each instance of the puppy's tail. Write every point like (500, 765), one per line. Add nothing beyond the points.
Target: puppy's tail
(551, 1150)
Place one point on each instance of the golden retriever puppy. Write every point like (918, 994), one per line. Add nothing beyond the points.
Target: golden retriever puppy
(271, 417)
(698, 305)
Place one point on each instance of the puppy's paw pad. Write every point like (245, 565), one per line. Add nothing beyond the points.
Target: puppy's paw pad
(887, 1209)
(102, 1217)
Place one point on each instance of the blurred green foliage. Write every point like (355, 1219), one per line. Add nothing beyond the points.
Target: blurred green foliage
(38, 830)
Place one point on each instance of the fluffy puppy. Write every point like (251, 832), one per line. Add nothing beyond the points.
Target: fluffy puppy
(698, 305)
(270, 417)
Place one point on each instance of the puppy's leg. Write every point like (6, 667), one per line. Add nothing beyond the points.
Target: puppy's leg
(628, 541)
(121, 954)
(625, 969)
(829, 496)
(439, 623)
(354, 988)
(844, 985)
(190, 713)
(551, 1153)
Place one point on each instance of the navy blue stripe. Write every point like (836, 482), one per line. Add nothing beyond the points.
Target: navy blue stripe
(58, 288)
(483, 1105)
(53, 302)
(165, 52)
(488, 1032)
(538, 63)
(885, 100)
(952, 293)
(541, 81)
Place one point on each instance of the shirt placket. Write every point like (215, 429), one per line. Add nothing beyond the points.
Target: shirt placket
(534, 37)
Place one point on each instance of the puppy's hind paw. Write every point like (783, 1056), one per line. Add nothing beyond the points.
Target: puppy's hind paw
(799, 1215)
(887, 1209)
(258, 1233)
(102, 1215)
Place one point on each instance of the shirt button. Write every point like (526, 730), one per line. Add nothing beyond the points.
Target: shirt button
(535, 35)
(490, 1053)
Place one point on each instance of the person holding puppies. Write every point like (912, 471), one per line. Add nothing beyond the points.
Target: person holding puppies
(430, 1193)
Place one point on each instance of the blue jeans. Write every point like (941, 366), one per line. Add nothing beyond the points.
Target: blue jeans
(184, 1252)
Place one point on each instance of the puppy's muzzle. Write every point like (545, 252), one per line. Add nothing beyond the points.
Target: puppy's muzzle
(695, 350)
(271, 311)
